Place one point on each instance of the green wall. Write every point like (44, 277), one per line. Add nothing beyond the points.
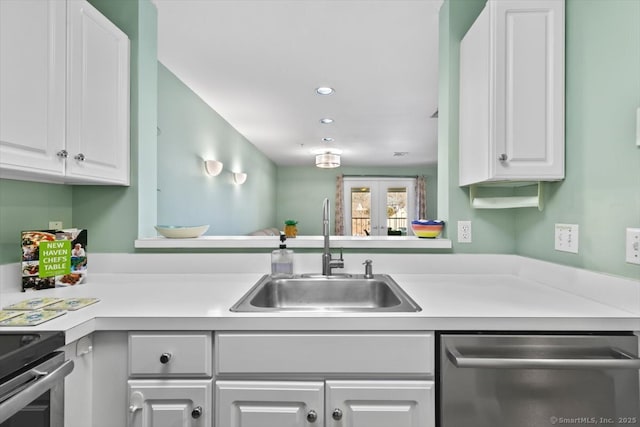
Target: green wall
(111, 213)
(26, 206)
(191, 132)
(493, 230)
(601, 191)
(301, 190)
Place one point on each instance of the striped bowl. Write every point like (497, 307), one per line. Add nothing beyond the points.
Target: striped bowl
(430, 228)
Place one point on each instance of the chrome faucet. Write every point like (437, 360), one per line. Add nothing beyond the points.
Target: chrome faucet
(328, 263)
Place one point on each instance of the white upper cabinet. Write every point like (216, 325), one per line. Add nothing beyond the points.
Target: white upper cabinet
(98, 97)
(32, 86)
(512, 93)
(64, 79)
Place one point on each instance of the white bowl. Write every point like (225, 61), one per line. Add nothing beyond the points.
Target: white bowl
(181, 231)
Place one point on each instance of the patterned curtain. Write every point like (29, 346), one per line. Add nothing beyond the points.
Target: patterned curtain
(339, 215)
(421, 197)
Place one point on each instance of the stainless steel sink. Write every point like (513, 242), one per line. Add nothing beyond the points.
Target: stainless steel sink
(326, 293)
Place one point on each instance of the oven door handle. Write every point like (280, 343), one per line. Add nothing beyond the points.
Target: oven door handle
(14, 404)
(618, 360)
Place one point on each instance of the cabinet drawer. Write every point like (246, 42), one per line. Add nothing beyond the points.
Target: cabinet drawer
(170, 355)
(325, 353)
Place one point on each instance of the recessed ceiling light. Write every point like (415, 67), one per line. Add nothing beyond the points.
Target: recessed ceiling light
(327, 139)
(326, 121)
(324, 90)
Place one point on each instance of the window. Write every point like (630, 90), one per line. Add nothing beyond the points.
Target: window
(378, 206)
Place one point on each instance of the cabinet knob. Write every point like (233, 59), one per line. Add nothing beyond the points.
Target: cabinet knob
(165, 358)
(197, 412)
(337, 414)
(62, 154)
(503, 157)
(79, 157)
(312, 416)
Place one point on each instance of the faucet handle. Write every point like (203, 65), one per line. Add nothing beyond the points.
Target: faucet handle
(336, 262)
(368, 269)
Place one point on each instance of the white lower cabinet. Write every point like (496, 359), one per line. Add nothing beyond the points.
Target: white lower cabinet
(170, 382)
(269, 403)
(170, 403)
(324, 379)
(334, 403)
(380, 403)
(78, 385)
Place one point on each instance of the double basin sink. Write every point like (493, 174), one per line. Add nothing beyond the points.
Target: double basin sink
(341, 293)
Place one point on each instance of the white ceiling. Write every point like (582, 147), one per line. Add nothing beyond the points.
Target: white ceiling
(258, 62)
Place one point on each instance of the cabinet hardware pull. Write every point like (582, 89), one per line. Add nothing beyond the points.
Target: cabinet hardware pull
(79, 157)
(312, 416)
(197, 412)
(165, 358)
(337, 414)
(62, 154)
(137, 400)
(503, 157)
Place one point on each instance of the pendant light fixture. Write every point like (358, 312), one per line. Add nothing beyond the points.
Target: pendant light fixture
(328, 160)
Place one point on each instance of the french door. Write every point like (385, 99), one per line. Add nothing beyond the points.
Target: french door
(378, 206)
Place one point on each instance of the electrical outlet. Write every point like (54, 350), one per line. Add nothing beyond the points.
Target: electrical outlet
(464, 231)
(55, 225)
(633, 246)
(638, 127)
(567, 238)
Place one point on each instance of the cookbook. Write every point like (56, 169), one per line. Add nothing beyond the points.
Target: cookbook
(53, 258)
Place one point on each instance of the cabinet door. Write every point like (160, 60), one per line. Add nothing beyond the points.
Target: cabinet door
(98, 109)
(269, 403)
(170, 403)
(529, 89)
(380, 404)
(512, 93)
(32, 87)
(78, 389)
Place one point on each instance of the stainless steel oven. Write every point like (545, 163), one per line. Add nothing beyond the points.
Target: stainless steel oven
(32, 380)
(505, 380)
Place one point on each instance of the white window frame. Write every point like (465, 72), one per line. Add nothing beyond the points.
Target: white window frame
(378, 187)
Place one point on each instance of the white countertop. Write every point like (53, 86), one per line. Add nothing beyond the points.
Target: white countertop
(478, 301)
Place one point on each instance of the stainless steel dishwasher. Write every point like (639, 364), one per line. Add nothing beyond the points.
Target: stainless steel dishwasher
(503, 380)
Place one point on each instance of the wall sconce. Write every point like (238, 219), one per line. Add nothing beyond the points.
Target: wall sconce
(328, 160)
(213, 167)
(239, 177)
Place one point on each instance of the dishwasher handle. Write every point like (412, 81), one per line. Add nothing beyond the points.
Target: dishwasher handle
(618, 360)
(15, 403)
